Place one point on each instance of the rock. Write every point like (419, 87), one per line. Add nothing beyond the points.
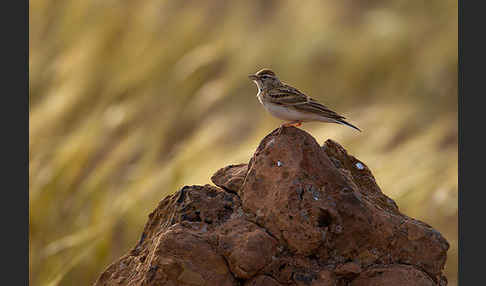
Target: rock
(349, 269)
(325, 278)
(247, 247)
(230, 177)
(403, 275)
(296, 214)
(186, 258)
(174, 247)
(262, 280)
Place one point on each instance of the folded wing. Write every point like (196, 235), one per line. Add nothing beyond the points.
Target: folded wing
(292, 97)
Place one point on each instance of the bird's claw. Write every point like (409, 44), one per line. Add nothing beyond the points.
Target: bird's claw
(289, 124)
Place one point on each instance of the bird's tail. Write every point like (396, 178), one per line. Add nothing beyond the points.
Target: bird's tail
(348, 124)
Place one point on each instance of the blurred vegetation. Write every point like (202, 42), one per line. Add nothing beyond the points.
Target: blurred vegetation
(131, 100)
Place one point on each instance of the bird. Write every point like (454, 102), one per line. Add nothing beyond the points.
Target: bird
(290, 104)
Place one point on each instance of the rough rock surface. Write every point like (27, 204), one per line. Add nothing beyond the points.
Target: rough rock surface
(296, 214)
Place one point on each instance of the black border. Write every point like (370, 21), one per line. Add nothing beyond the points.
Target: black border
(15, 141)
(471, 163)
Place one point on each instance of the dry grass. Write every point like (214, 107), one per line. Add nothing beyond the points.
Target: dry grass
(130, 100)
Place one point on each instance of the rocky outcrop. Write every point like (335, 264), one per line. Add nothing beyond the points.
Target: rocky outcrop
(296, 214)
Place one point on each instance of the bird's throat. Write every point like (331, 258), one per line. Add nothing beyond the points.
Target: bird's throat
(260, 96)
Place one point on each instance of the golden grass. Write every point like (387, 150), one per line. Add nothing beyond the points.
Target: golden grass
(131, 100)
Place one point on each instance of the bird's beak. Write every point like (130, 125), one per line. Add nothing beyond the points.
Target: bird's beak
(253, 77)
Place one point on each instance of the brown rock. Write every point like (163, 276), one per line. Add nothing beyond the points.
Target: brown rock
(193, 261)
(176, 245)
(247, 247)
(287, 180)
(230, 177)
(297, 214)
(403, 275)
(357, 172)
(313, 206)
(262, 280)
(349, 269)
(325, 278)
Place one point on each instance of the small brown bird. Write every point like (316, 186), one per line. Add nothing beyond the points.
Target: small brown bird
(288, 103)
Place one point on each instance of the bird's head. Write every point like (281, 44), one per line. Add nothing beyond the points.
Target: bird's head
(265, 79)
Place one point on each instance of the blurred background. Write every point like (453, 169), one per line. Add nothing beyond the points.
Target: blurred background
(131, 100)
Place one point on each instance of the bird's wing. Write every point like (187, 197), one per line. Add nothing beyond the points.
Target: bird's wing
(286, 95)
(315, 107)
(292, 97)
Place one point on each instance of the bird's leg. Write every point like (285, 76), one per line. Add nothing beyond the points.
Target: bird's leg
(295, 123)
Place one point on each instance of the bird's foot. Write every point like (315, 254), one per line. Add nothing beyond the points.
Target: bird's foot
(293, 123)
(288, 124)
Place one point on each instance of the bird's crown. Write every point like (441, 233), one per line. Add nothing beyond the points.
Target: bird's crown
(268, 72)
